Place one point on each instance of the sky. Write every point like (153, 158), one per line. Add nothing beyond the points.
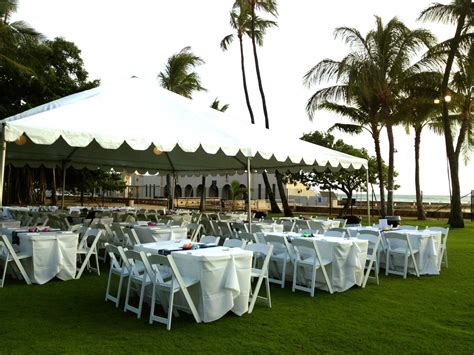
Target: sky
(119, 39)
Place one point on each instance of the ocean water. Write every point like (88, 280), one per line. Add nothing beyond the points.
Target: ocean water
(412, 198)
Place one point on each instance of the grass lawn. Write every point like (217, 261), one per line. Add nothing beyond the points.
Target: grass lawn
(432, 314)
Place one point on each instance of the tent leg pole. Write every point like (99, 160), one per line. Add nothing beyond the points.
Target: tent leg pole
(3, 154)
(367, 192)
(249, 197)
(64, 184)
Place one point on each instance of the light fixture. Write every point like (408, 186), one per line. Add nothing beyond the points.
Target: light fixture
(436, 101)
(447, 98)
(21, 140)
(156, 151)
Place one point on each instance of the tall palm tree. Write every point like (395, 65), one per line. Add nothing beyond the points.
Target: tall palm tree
(416, 110)
(13, 35)
(239, 20)
(383, 57)
(216, 105)
(179, 75)
(361, 106)
(461, 14)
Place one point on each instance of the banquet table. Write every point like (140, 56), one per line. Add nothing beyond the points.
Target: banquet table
(54, 255)
(427, 242)
(224, 275)
(347, 260)
(269, 227)
(148, 234)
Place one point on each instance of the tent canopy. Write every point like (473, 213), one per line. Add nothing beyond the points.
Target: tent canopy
(123, 126)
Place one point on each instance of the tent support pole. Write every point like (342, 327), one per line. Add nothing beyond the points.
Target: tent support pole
(3, 154)
(367, 193)
(249, 197)
(63, 166)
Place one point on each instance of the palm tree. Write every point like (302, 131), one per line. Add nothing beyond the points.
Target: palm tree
(179, 76)
(383, 57)
(235, 191)
(216, 105)
(362, 107)
(461, 14)
(13, 35)
(416, 110)
(239, 19)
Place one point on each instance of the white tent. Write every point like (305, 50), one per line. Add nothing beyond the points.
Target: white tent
(137, 125)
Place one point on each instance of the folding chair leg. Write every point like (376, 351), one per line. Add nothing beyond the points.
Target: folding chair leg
(152, 306)
(313, 281)
(97, 261)
(387, 263)
(405, 268)
(117, 302)
(108, 285)
(170, 309)
(295, 273)
(2, 281)
(256, 291)
(415, 265)
(283, 274)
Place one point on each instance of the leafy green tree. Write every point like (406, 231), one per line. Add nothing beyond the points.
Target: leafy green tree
(179, 75)
(461, 14)
(236, 191)
(343, 180)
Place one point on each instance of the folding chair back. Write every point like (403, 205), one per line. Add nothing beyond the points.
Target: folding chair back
(234, 243)
(301, 224)
(443, 247)
(132, 237)
(335, 232)
(399, 243)
(342, 222)
(119, 266)
(288, 225)
(260, 250)
(83, 249)
(248, 237)
(239, 227)
(208, 239)
(373, 253)
(407, 227)
(282, 252)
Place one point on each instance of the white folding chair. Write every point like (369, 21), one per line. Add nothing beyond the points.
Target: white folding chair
(194, 231)
(335, 232)
(288, 225)
(399, 244)
(248, 237)
(224, 229)
(119, 235)
(234, 243)
(86, 250)
(282, 253)
(239, 227)
(259, 251)
(443, 251)
(373, 253)
(172, 284)
(301, 224)
(138, 277)
(316, 225)
(210, 239)
(342, 222)
(7, 255)
(132, 237)
(308, 256)
(119, 266)
(407, 227)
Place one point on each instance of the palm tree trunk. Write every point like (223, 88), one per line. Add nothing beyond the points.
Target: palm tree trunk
(271, 195)
(378, 155)
(244, 80)
(390, 177)
(419, 198)
(168, 191)
(455, 218)
(203, 195)
(54, 199)
(281, 189)
(257, 69)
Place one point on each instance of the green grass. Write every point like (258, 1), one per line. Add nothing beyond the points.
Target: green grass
(430, 314)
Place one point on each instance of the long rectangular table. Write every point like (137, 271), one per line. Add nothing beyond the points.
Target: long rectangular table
(224, 275)
(54, 255)
(425, 241)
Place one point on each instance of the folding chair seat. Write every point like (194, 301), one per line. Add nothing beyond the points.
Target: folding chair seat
(8, 255)
(288, 226)
(260, 251)
(301, 224)
(239, 227)
(282, 253)
(166, 286)
(342, 222)
(84, 249)
(234, 243)
(308, 256)
(373, 253)
(398, 243)
(119, 266)
(316, 225)
(137, 276)
(210, 239)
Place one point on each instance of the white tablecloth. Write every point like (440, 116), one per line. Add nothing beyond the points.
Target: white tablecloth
(54, 255)
(224, 275)
(269, 227)
(347, 261)
(427, 242)
(148, 234)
